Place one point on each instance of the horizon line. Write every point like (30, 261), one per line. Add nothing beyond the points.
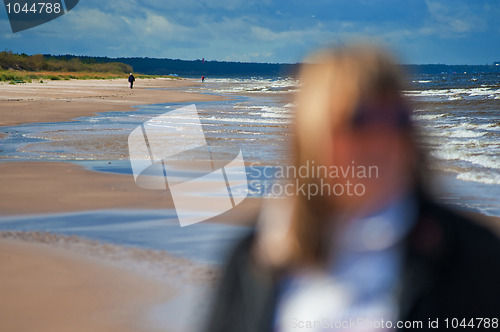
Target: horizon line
(493, 63)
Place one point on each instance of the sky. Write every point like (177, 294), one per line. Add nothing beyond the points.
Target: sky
(417, 31)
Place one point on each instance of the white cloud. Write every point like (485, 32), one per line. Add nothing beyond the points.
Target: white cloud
(94, 22)
(454, 21)
(153, 25)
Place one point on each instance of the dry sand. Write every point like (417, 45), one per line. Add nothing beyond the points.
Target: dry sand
(55, 101)
(47, 289)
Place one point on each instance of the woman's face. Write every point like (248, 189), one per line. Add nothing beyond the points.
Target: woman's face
(377, 160)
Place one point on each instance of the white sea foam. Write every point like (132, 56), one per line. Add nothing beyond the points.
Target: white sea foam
(276, 115)
(488, 161)
(448, 154)
(253, 85)
(452, 133)
(478, 176)
(466, 133)
(484, 92)
(458, 93)
(246, 107)
(427, 116)
(488, 127)
(453, 152)
(245, 120)
(284, 112)
(268, 112)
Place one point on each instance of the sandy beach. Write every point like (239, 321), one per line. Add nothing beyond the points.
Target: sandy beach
(54, 101)
(51, 289)
(48, 288)
(50, 187)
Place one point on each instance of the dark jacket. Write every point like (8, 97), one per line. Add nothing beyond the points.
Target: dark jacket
(451, 270)
(131, 78)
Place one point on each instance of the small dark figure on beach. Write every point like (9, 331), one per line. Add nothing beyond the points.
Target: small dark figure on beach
(131, 80)
(202, 78)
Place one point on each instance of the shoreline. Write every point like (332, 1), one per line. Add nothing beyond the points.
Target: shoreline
(48, 287)
(35, 187)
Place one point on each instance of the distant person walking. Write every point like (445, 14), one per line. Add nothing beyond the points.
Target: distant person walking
(202, 78)
(131, 80)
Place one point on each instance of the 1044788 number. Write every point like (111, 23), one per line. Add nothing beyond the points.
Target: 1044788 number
(35, 8)
(482, 323)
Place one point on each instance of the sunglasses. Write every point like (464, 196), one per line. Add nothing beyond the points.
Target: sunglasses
(395, 115)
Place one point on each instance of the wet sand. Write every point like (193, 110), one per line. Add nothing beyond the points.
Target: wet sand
(51, 187)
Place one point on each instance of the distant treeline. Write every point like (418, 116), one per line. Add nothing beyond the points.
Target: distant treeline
(196, 68)
(39, 62)
(191, 68)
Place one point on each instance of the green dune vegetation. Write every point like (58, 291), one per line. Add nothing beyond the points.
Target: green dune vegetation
(22, 68)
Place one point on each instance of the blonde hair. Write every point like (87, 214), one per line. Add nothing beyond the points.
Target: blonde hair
(334, 84)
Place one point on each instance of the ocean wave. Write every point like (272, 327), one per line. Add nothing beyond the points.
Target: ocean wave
(427, 116)
(481, 177)
(469, 129)
(465, 133)
(455, 127)
(246, 107)
(450, 152)
(457, 93)
(266, 111)
(452, 132)
(245, 120)
(489, 126)
(253, 85)
(484, 92)
(277, 115)
(488, 161)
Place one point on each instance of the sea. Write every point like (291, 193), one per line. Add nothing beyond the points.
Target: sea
(457, 114)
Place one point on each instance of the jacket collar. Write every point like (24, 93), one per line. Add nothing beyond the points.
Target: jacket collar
(429, 250)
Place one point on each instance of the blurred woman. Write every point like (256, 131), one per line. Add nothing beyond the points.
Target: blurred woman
(359, 246)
